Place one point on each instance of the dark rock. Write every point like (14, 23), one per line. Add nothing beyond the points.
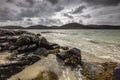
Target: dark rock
(65, 48)
(13, 47)
(38, 34)
(53, 46)
(117, 74)
(11, 39)
(44, 43)
(92, 68)
(4, 32)
(74, 51)
(26, 49)
(41, 52)
(100, 71)
(20, 32)
(27, 40)
(7, 70)
(4, 46)
(71, 57)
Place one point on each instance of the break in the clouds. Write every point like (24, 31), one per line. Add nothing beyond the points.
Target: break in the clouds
(58, 12)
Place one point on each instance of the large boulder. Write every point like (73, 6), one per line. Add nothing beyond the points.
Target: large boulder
(44, 43)
(71, 57)
(41, 52)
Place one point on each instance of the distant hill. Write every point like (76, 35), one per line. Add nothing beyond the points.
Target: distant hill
(103, 26)
(37, 27)
(66, 26)
(72, 26)
(75, 26)
(12, 27)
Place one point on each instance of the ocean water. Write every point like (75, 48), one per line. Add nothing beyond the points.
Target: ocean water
(103, 44)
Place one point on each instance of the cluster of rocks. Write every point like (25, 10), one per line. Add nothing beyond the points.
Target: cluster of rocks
(27, 48)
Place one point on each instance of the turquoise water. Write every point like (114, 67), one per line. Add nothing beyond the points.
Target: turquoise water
(101, 43)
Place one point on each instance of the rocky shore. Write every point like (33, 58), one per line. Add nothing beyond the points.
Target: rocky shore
(28, 56)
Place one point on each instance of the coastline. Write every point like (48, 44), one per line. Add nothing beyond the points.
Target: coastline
(28, 52)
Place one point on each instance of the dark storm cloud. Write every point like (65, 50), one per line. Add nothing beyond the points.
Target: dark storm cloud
(67, 15)
(29, 19)
(87, 16)
(31, 2)
(79, 9)
(28, 13)
(9, 1)
(61, 11)
(59, 8)
(53, 1)
(9, 14)
(16, 10)
(103, 2)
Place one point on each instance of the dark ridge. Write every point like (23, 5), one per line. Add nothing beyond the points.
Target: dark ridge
(12, 27)
(75, 26)
(66, 26)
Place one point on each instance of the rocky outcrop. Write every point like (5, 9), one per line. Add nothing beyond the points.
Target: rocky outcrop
(49, 68)
(39, 59)
(27, 48)
(101, 71)
(71, 57)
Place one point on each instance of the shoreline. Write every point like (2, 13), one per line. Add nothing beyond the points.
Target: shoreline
(22, 48)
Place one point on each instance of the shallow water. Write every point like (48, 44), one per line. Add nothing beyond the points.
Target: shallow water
(104, 44)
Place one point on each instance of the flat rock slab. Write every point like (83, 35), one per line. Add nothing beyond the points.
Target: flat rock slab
(49, 63)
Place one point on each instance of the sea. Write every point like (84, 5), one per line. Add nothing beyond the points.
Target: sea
(96, 45)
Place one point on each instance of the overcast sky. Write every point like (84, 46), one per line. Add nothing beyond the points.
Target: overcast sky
(58, 12)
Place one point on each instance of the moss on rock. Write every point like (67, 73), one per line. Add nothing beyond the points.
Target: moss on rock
(105, 74)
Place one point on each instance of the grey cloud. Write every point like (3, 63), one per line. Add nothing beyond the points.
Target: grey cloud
(10, 1)
(80, 21)
(54, 11)
(58, 8)
(87, 16)
(49, 21)
(31, 2)
(28, 13)
(8, 14)
(53, 1)
(20, 9)
(22, 4)
(102, 2)
(67, 15)
(79, 9)
(107, 22)
(29, 19)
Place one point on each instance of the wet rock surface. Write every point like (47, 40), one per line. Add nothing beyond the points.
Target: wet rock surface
(49, 68)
